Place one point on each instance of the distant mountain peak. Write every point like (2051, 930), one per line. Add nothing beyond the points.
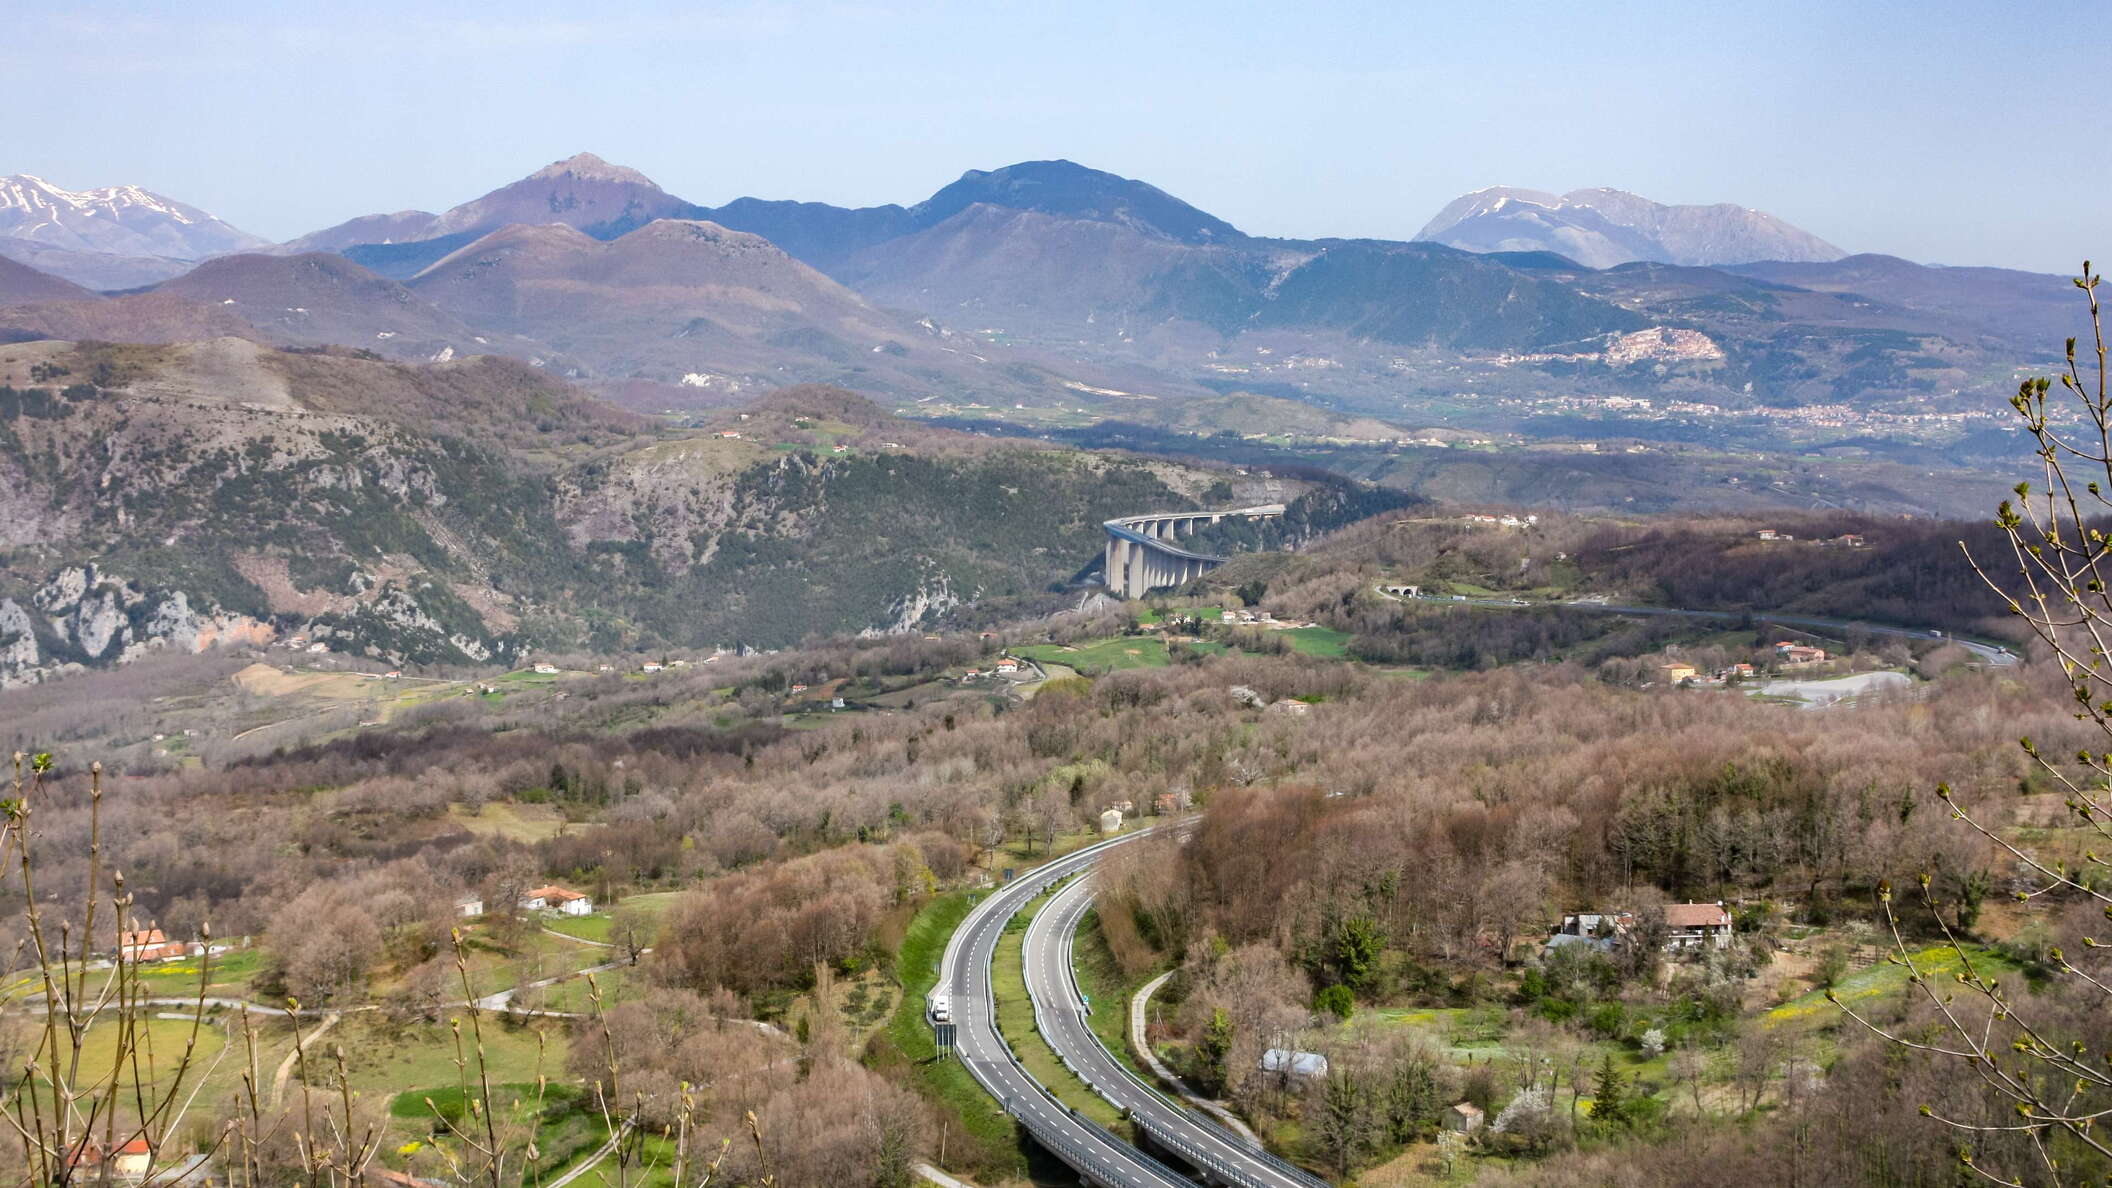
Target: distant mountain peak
(1071, 190)
(588, 167)
(1601, 227)
(118, 220)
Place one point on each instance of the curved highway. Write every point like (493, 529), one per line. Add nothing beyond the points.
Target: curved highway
(964, 980)
(1060, 1012)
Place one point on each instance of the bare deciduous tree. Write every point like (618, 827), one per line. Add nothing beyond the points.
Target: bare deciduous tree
(2057, 580)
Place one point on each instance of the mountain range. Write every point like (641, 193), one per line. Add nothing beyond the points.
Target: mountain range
(1057, 291)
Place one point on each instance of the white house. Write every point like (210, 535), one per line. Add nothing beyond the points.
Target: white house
(469, 905)
(1111, 821)
(557, 899)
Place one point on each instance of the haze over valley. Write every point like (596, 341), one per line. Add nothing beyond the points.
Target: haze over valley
(820, 597)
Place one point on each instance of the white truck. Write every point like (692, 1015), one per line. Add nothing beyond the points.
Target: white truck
(941, 1010)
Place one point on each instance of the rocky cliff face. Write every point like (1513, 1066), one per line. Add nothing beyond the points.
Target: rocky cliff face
(84, 616)
(179, 496)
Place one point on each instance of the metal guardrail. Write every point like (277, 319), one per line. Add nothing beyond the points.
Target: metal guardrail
(1187, 1150)
(1088, 1163)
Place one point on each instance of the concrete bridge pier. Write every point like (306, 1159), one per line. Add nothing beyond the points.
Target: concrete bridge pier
(1141, 556)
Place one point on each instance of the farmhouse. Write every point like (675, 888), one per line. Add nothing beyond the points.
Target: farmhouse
(557, 899)
(149, 945)
(128, 1164)
(1697, 926)
(1790, 653)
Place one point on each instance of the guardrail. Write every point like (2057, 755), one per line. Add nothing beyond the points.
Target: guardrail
(1168, 1139)
(1087, 1162)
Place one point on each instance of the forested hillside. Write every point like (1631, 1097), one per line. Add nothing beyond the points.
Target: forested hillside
(469, 511)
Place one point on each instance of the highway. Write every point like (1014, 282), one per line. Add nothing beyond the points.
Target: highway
(964, 978)
(1992, 653)
(1060, 1013)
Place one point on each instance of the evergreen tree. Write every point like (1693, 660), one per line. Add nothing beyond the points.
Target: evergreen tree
(1611, 1101)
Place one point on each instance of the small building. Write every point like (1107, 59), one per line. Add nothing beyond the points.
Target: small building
(1594, 930)
(1463, 1117)
(651, 666)
(394, 674)
(1111, 821)
(128, 1164)
(1290, 706)
(1697, 926)
(546, 669)
(149, 944)
(1294, 1065)
(470, 905)
(1676, 672)
(558, 899)
(1768, 534)
(1166, 804)
(1007, 666)
(797, 689)
(1789, 652)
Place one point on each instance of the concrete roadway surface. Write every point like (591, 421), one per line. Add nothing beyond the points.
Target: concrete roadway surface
(1992, 653)
(1060, 1013)
(964, 978)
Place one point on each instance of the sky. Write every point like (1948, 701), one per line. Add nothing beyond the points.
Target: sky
(1957, 133)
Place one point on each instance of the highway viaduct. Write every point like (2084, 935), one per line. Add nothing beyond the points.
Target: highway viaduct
(1141, 555)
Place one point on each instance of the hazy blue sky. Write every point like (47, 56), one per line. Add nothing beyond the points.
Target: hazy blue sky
(1951, 132)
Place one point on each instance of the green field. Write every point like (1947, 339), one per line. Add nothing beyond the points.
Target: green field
(572, 994)
(595, 925)
(382, 1059)
(1105, 655)
(1937, 963)
(229, 974)
(1325, 642)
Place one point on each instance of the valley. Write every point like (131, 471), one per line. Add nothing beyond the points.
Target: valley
(1030, 681)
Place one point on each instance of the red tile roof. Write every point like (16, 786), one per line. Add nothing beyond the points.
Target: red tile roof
(1696, 915)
